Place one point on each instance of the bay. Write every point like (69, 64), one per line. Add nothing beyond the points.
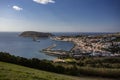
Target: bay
(25, 47)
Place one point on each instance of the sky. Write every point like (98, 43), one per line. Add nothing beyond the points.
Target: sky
(60, 15)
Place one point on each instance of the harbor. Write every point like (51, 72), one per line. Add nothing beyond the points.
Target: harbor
(84, 46)
(59, 53)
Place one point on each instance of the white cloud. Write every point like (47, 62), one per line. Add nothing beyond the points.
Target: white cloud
(44, 1)
(17, 8)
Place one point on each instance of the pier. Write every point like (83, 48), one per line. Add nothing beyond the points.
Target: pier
(59, 53)
(50, 47)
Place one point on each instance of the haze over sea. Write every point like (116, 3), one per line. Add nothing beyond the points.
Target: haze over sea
(26, 47)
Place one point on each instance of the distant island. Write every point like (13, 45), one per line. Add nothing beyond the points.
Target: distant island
(34, 34)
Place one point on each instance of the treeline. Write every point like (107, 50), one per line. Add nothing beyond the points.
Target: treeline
(52, 67)
(37, 64)
(100, 62)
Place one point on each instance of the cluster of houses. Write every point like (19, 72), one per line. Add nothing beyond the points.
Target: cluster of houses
(91, 46)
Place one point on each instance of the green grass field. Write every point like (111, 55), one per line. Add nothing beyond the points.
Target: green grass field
(15, 72)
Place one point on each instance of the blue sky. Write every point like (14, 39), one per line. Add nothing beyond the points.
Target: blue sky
(60, 15)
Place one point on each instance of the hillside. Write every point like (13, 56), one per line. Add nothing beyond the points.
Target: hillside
(35, 34)
(15, 72)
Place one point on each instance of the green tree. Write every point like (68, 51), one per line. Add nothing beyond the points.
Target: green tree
(114, 48)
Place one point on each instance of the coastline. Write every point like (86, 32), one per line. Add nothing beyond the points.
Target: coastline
(90, 45)
(58, 53)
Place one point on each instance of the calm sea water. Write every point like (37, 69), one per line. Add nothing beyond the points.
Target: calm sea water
(25, 47)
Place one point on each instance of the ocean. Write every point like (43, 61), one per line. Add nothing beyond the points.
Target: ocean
(12, 43)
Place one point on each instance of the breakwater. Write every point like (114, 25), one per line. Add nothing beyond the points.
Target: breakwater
(58, 53)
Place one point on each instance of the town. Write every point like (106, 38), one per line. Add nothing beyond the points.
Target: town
(96, 46)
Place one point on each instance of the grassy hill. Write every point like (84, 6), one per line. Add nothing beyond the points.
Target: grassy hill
(15, 72)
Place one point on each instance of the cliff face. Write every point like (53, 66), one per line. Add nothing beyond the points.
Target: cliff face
(35, 34)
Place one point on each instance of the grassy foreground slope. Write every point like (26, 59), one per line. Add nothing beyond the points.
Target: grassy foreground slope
(15, 72)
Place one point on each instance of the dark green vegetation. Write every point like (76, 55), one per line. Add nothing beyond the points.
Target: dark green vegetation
(117, 39)
(15, 72)
(35, 34)
(113, 48)
(100, 62)
(69, 68)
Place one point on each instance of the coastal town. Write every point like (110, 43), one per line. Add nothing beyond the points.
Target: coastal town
(96, 46)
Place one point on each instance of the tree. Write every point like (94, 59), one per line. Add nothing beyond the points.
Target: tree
(114, 48)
